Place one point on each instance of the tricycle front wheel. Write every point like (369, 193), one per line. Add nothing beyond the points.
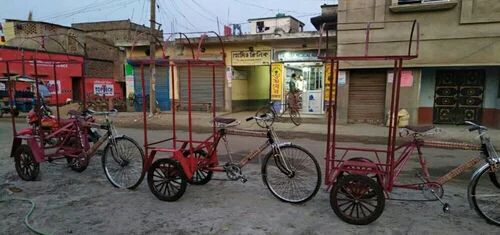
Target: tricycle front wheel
(26, 166)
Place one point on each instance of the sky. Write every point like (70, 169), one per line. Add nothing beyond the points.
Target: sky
(174, 15)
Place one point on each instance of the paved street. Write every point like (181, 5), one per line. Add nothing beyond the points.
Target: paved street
(85, 203)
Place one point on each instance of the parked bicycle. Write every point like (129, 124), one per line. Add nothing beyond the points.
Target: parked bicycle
(292, 106)
(289, 171)
(75, 140)
(358, 195)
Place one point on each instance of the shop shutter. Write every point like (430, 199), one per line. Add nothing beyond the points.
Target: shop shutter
(201, 86)
(366, 96)
(162, 87)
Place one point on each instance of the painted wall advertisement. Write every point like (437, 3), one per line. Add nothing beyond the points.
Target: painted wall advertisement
(276, 81)
(250, 58)
(52, 87)
(328, 74)
(104, 88)
(129, 79)
(406, 78)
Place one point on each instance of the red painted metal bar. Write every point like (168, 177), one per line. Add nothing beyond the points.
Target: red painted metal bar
(334, 69)
(38, 101)
(174, 135)
(362, 149)
(57, 94)
(190, 124)
(144, 118)
(329, 135)
(397, 83)
(11, 99)
(213, 101)
(368, 58)
(391, 122)
(82, 85)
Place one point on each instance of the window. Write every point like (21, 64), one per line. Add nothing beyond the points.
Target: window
(402, 2)
(260, 26)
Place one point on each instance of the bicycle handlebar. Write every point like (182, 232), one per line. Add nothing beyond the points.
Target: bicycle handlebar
(475, 127)
(93, 112)
(261, 117)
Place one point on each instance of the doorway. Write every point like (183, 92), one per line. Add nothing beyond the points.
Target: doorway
(76, 87)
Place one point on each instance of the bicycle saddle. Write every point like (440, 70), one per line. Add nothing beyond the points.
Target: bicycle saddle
(419, 129)
(225, 122)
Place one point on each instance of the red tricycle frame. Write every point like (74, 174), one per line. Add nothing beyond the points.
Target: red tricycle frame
(386, 171)
(178, 147)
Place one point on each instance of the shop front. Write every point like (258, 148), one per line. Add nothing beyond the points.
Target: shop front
(299, 72)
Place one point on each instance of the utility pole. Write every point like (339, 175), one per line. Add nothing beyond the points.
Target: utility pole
(152, 52)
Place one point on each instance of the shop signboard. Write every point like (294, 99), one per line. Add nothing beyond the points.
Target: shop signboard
(104, 88)
(276, 81)
(251, 58)
(406, 78)
(328, 73)
(129, 79)
(304, 55)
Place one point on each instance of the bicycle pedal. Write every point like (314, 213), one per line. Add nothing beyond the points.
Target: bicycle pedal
(243, 179)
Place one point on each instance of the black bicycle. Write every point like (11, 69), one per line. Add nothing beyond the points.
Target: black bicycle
(292, 106)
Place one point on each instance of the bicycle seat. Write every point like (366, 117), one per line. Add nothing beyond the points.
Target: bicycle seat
(225, 122)
(419, 129)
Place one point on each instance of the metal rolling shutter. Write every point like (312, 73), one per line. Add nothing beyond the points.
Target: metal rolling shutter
(367, 96)
(201, 85)
(162, 86)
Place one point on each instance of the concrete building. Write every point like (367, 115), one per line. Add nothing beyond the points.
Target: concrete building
(279, 24)
(259, 67)
(456, 76)
(102, 58)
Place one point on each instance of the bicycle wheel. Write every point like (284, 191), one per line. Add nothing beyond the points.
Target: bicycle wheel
(202, 175)
(485, 196)
(123, 162)
(26, 166)
(266, 110)
(357, 199)
(295, 116)
(294, 176)
(166, 180)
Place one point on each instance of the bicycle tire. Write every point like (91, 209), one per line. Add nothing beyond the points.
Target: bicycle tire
(26, 166)
(481, 181)
(132, 161)
(271, 174)
(263, 111)
(295, 116)
(350, 194)
(166, 171)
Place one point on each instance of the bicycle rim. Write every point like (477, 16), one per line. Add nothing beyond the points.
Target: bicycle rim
(302, 184)
(123, 163)
(295, 117)
(485, 196)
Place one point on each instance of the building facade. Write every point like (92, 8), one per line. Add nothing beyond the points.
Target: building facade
(455, 77)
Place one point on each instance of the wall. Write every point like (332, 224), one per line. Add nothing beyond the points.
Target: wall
(283, 24)
(409, 96)
(251, 88)
(465, 34)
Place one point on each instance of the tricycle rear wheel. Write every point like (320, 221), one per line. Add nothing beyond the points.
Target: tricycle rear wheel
(357, 199)
(166, 180)
(26, 166)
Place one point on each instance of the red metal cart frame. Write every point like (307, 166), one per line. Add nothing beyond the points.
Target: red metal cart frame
(334, 164)
(189, 63)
